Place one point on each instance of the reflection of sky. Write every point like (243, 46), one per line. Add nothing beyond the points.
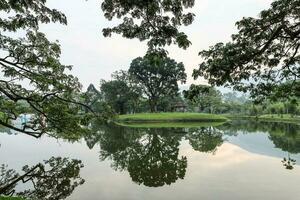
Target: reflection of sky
(231, 173)
(95, 57)
(234, 173)
(259, 143)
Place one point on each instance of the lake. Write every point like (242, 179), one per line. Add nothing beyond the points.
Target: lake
(237, 160)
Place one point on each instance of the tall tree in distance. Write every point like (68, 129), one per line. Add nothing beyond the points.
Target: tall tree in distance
(205, 97)
(31, 71)
(157, 21)
(263, 57)
(121, 93)
(158, 76)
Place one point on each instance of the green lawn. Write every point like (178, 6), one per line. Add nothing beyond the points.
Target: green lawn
(169, 124)
(171, 117)
(274, 118)
(279, 118)
(10, 198)
(1, 115)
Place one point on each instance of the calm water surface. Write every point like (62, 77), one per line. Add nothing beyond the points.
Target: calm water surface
(238, 160)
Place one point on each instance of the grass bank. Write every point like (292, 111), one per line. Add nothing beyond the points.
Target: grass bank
(169, 124)
(271, 118)
(1, 118)
(280, 118)
(170, 118)
(10, 198)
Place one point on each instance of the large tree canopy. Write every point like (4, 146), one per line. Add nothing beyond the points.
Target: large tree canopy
(262, 56)
(121, 93)
(151, 157)
(158, 76)
(31, 73)
(155, 20)
(205, 97)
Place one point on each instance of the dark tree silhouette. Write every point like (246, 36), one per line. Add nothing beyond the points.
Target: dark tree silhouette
(205, 139)
(262, 56)
(53, 95)
(157, 21)
(55, 179)
(150, 156)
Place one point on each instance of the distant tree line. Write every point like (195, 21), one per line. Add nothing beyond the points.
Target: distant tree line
(125, 94)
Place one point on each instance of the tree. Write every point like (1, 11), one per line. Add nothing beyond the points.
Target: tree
(157, 21)
(115, 93)
(158, 76)
(151, 156)
(135, 93)
(54, 179)
(291, 107)
(122, 93)
(261, 56)
(205, 139)
(206, 97)
(32, 72)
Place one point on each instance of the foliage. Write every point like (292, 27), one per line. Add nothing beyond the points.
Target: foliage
(152, 159)
(205, 97)
(55, 179)
(151, 155)
(261, 56)
(205, 139)
(157, 21)
(32, 72)
(158, 76)
(115, 92)
(121, 93)
(285, 136)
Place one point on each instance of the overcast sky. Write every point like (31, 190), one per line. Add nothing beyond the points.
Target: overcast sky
(94, 57)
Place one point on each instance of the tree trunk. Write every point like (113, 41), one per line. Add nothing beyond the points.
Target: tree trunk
(153, 104)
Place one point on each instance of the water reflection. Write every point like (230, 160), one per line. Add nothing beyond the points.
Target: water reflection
(54, 179)
(151, 155)
(284, 136)
(156, 157)
(205, 139)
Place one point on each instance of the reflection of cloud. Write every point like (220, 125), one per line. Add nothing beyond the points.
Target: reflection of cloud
(226, 155)
(229, 154)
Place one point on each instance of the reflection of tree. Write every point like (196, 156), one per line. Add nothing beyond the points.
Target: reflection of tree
(287, 138)
(289, 141)
(205, 139)
(288, 163)
(284, 136)
(151, 156)
(118, 144)
(156, 163)
(55, 179)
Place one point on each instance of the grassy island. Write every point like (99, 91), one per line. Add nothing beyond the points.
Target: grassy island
(171, 117)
